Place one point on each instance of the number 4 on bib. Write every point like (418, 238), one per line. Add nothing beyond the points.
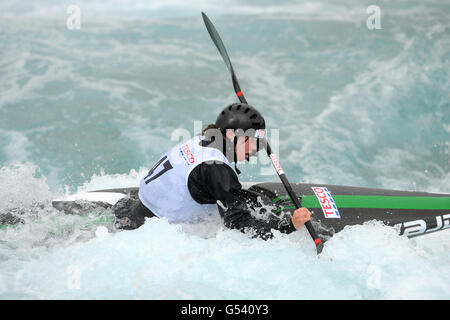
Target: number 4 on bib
(167, 166)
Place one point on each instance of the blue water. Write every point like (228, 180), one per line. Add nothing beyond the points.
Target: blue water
(95, 107)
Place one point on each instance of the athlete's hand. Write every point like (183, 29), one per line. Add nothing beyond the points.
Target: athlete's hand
(300, 217)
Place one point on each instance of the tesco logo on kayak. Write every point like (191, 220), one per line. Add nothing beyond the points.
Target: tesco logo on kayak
(188, 154)
(327, 203)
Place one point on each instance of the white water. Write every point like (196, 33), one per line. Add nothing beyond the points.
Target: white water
(56, 257)
(94, 108)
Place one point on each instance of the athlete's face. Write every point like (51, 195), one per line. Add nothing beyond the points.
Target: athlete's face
(246, 147)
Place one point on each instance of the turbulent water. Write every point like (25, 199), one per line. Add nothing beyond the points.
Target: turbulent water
(94, 107)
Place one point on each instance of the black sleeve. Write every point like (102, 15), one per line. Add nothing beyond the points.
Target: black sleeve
(218, 183)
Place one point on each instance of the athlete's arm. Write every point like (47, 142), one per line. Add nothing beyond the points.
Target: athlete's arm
(218, 183)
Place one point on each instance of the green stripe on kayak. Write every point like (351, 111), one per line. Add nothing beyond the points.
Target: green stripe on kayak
(377, 202)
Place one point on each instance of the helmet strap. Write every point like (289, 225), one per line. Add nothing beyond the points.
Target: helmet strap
(235, 155)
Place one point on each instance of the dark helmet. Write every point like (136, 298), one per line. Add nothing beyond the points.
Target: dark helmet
(245, 120)
(240, 116)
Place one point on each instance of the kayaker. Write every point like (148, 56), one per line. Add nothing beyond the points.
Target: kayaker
(195, 178)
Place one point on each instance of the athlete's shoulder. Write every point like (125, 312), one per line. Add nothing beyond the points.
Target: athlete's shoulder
(209, 182)
(214, 171)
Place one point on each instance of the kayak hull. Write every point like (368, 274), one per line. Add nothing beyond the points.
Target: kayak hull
(333, 207)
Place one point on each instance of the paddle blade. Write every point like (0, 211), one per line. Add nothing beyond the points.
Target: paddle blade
(319, 247)
(223, 52)
(217, 41)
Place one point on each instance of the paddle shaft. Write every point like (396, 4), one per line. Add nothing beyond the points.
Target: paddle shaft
(292, 195)
(279, 170)
(220, 46)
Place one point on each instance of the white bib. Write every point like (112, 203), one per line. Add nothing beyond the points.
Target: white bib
(164, 190)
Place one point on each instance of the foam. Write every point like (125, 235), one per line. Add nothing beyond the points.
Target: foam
(340, 94)
(159, 261)
(22, 185)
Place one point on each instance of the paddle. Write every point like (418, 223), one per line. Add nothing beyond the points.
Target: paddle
(223, 52)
